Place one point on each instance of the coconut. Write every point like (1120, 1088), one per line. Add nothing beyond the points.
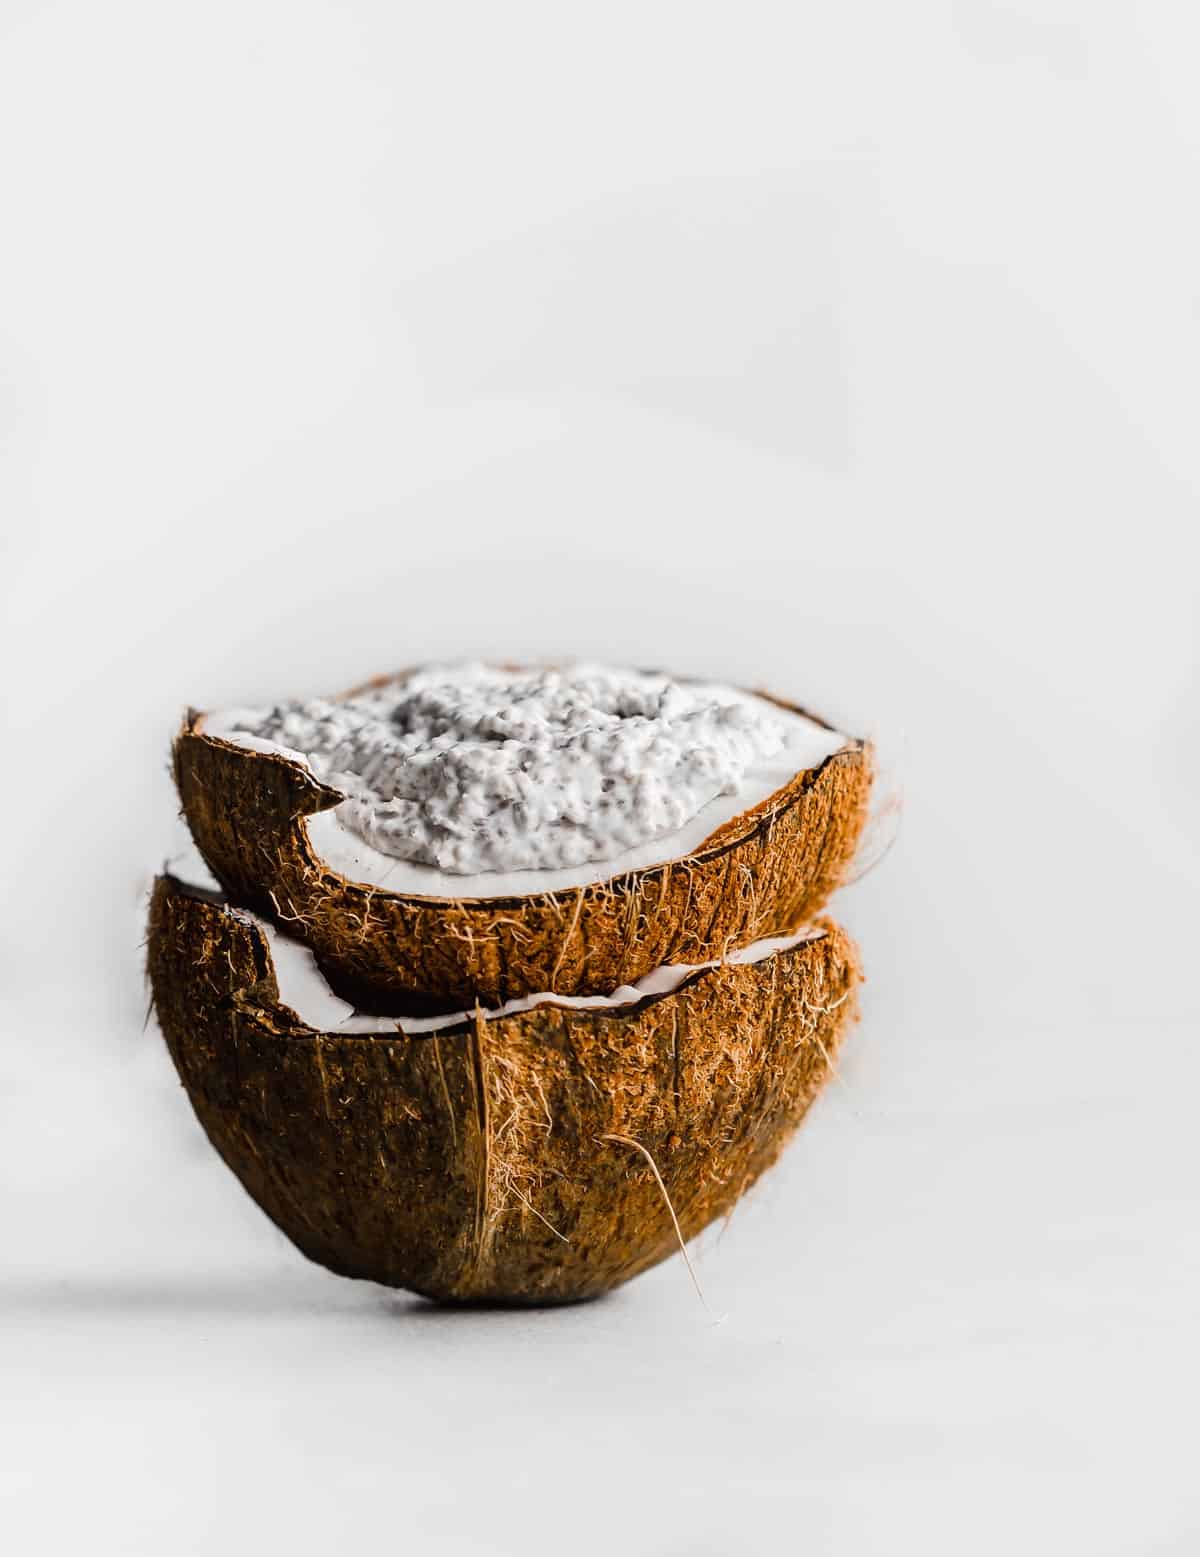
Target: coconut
(542, 1154)
(266, 825)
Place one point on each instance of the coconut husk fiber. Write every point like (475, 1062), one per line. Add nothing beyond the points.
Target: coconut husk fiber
(766, 870)
(509, 1158)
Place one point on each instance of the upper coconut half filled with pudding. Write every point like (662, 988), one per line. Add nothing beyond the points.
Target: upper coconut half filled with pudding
(469, 832)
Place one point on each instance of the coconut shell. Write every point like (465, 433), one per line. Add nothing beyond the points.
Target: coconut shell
(505, 1158)
(763, 872)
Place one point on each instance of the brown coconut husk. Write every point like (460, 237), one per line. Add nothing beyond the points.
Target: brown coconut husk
(773, 866)
(513, 1158)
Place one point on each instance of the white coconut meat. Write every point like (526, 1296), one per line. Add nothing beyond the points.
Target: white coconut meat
(302, 987)
(470, 781)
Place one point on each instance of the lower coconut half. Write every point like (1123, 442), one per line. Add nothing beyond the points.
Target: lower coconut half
(540, 1153)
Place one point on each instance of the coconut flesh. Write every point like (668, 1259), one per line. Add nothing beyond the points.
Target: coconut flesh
(469, 781)
(304, 990)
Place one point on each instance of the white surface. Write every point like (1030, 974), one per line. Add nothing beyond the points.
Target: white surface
(872, 333)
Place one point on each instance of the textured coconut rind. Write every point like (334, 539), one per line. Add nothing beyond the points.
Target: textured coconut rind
(761, 874)
(480, 1163)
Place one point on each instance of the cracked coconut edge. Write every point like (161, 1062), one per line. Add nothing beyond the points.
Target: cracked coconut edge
(304, 990)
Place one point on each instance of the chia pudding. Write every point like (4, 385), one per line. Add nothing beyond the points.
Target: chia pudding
(469, 769)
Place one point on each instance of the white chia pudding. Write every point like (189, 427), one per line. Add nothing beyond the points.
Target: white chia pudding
(471, 769)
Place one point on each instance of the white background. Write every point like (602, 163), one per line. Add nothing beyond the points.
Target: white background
(854, 349)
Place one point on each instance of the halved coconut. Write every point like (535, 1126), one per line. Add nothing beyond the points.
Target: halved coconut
(268, 828)
(532, 1156)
